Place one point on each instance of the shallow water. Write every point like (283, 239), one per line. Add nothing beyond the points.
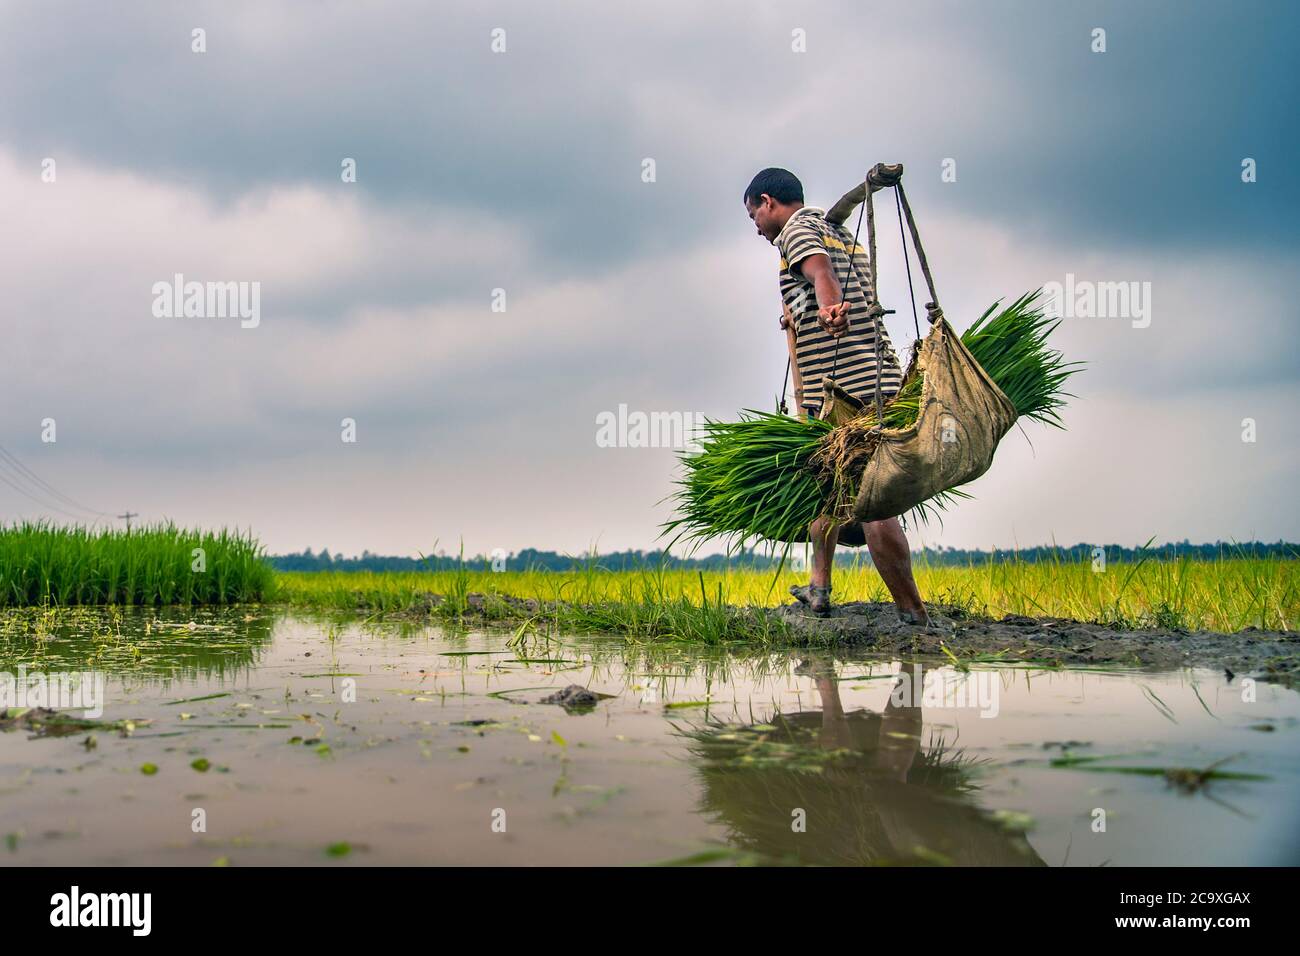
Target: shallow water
(447, 756)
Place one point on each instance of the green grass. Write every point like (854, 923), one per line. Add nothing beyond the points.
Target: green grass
(650, 604)
(47, 566)
(1225, 595)
(43, 563)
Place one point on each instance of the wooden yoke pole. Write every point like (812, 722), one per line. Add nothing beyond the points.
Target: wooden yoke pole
(791, 337)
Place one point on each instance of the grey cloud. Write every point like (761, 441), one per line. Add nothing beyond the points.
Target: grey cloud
(523, 172)
(1140, 143)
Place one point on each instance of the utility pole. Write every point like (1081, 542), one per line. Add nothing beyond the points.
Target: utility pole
(128, 516)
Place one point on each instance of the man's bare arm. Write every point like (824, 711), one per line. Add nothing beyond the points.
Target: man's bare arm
(831, 313)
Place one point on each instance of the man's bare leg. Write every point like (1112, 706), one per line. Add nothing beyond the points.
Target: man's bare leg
(822, 536)
(893, 559)
(823, 533)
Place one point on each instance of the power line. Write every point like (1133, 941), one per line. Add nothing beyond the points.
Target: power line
(43, 504)
(5, 453)
(30, 485)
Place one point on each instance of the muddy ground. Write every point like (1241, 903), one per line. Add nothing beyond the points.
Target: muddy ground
(1268, 655)
(1254, 653)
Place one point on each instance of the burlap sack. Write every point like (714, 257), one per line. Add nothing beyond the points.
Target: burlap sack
(963, 415)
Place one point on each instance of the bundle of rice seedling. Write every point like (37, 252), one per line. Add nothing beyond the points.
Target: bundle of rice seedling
(769, 476)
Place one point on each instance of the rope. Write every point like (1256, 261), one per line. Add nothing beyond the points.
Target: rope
(907, 260)
(932, 307)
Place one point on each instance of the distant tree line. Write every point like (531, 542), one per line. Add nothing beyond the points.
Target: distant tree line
(1114, 552)
(529, 558)
(532, 559)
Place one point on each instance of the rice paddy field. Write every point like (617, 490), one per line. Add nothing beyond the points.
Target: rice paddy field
(41, 563)
(471, 717)
(48, 565)
(1227, 595)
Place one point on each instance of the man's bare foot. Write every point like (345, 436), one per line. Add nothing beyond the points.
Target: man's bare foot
(920, 616)
(923, 618)
(817, 599)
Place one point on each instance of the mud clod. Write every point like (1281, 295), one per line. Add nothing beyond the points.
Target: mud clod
(574, 697)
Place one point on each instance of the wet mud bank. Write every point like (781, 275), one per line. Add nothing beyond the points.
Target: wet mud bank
(1269, 655)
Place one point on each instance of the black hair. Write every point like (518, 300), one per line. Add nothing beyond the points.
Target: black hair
(781, 184)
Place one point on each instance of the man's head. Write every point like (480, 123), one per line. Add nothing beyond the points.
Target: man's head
(773, 196)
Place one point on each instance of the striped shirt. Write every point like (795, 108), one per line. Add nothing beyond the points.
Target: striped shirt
(808, 233)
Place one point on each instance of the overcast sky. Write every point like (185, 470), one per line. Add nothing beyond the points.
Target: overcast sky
(522, 170)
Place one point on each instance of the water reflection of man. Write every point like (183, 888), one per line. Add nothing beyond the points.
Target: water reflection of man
(870, 793)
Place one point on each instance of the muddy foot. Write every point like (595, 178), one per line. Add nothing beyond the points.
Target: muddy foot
(930, 621)
(817, 600)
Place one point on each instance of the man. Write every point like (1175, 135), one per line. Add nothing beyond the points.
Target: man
(824, 286)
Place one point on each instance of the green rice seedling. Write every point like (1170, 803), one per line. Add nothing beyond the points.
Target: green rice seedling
(46, 564)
